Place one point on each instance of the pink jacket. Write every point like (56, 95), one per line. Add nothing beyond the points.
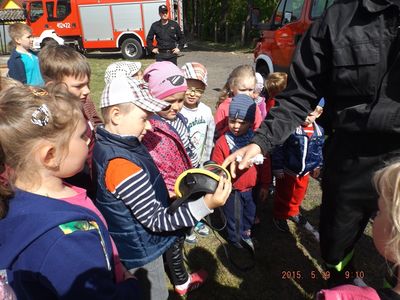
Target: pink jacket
(166, 149)
(348, 292)
(222, 114)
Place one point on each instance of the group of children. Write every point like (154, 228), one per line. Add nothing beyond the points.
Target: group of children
(58, 155)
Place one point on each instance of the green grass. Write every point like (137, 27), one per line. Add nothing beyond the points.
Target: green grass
(99, 63)
(277, 253)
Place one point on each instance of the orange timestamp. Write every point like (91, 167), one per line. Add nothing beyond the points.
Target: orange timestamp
(296, 274)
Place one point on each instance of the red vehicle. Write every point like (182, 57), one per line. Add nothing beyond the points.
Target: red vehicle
(93, 25)
(278, 39)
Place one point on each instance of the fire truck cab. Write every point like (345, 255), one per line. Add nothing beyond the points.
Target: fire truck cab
(278, 38)
(98, 25)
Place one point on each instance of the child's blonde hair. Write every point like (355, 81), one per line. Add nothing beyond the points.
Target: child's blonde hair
(59, 61)
(27, 116)
(275, 83)
(240, 72)
(387, 184)
(17, 30)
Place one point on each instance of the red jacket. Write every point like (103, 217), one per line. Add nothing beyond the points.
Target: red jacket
(245, 179)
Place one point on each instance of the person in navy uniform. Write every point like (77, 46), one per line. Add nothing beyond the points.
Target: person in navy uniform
(168, 35)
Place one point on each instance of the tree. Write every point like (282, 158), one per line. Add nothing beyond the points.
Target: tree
(202, 15)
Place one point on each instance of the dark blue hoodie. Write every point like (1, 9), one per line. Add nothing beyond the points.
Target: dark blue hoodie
(47, 261)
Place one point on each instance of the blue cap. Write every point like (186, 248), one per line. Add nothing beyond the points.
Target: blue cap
(242, 107)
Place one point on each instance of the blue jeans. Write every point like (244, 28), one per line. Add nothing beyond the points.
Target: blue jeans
(247, 207)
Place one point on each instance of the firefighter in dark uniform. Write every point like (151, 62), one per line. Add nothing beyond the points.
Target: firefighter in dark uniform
(168, 35)
(351, 57)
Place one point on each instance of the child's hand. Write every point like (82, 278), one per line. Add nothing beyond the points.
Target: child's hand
(315, 173)
(126, 273)
(221, 194)
(172, 195)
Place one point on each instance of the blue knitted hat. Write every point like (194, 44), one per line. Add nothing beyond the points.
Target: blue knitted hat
(242, 107)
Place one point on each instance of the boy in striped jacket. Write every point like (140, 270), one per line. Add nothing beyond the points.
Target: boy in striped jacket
(132, 194)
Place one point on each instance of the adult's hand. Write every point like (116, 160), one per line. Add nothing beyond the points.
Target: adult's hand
(246, 153)
(176, 50)
(155, 51)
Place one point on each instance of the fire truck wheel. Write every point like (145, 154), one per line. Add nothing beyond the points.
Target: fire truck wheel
(131, 49)
(263, 70)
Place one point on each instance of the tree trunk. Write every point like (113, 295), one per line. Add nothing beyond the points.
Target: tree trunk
(250, 5)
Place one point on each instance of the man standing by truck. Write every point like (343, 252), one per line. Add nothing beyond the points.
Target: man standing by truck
(168, 35)
(350, 56)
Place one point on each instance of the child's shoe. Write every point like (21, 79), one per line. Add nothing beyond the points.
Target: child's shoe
(299, 219)
(197, 279)
(249, 242)
(202, 229)
(191, 238)
(281, 225)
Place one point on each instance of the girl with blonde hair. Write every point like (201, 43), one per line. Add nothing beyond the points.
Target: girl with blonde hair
(53, 244)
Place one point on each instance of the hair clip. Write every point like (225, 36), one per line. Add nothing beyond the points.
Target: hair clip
(41, 115)
(38, 92)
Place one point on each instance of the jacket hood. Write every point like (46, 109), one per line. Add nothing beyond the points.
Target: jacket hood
(31, 216)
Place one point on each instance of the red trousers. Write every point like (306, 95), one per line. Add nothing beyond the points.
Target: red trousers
(289, 193)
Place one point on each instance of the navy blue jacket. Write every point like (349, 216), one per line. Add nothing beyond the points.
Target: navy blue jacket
(16, 68)
(47, 261)
(299, 154)
(136, 244)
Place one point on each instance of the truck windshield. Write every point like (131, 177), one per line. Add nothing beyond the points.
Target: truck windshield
(63, 10)
(318, 7)
(35, 11)
(288, 11)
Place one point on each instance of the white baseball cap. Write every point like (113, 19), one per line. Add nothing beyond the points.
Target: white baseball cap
(121, 68)
(124, 90)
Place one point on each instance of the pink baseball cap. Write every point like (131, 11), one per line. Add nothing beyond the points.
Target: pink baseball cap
(164, 79)
(195, 70)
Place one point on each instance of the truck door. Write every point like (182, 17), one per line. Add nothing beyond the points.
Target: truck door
(96, 23)
(289, 21)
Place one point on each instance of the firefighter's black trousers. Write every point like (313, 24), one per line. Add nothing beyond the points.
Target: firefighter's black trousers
(349, 198)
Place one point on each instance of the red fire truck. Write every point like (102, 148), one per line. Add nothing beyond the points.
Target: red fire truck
(279, 37)
(98, 25)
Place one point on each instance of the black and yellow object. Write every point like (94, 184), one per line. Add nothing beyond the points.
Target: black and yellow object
(195, 183)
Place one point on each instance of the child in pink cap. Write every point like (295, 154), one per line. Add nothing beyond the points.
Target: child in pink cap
(173, 153)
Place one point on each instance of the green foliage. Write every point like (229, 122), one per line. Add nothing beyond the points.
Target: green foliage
(226, 15)
(266, 8)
